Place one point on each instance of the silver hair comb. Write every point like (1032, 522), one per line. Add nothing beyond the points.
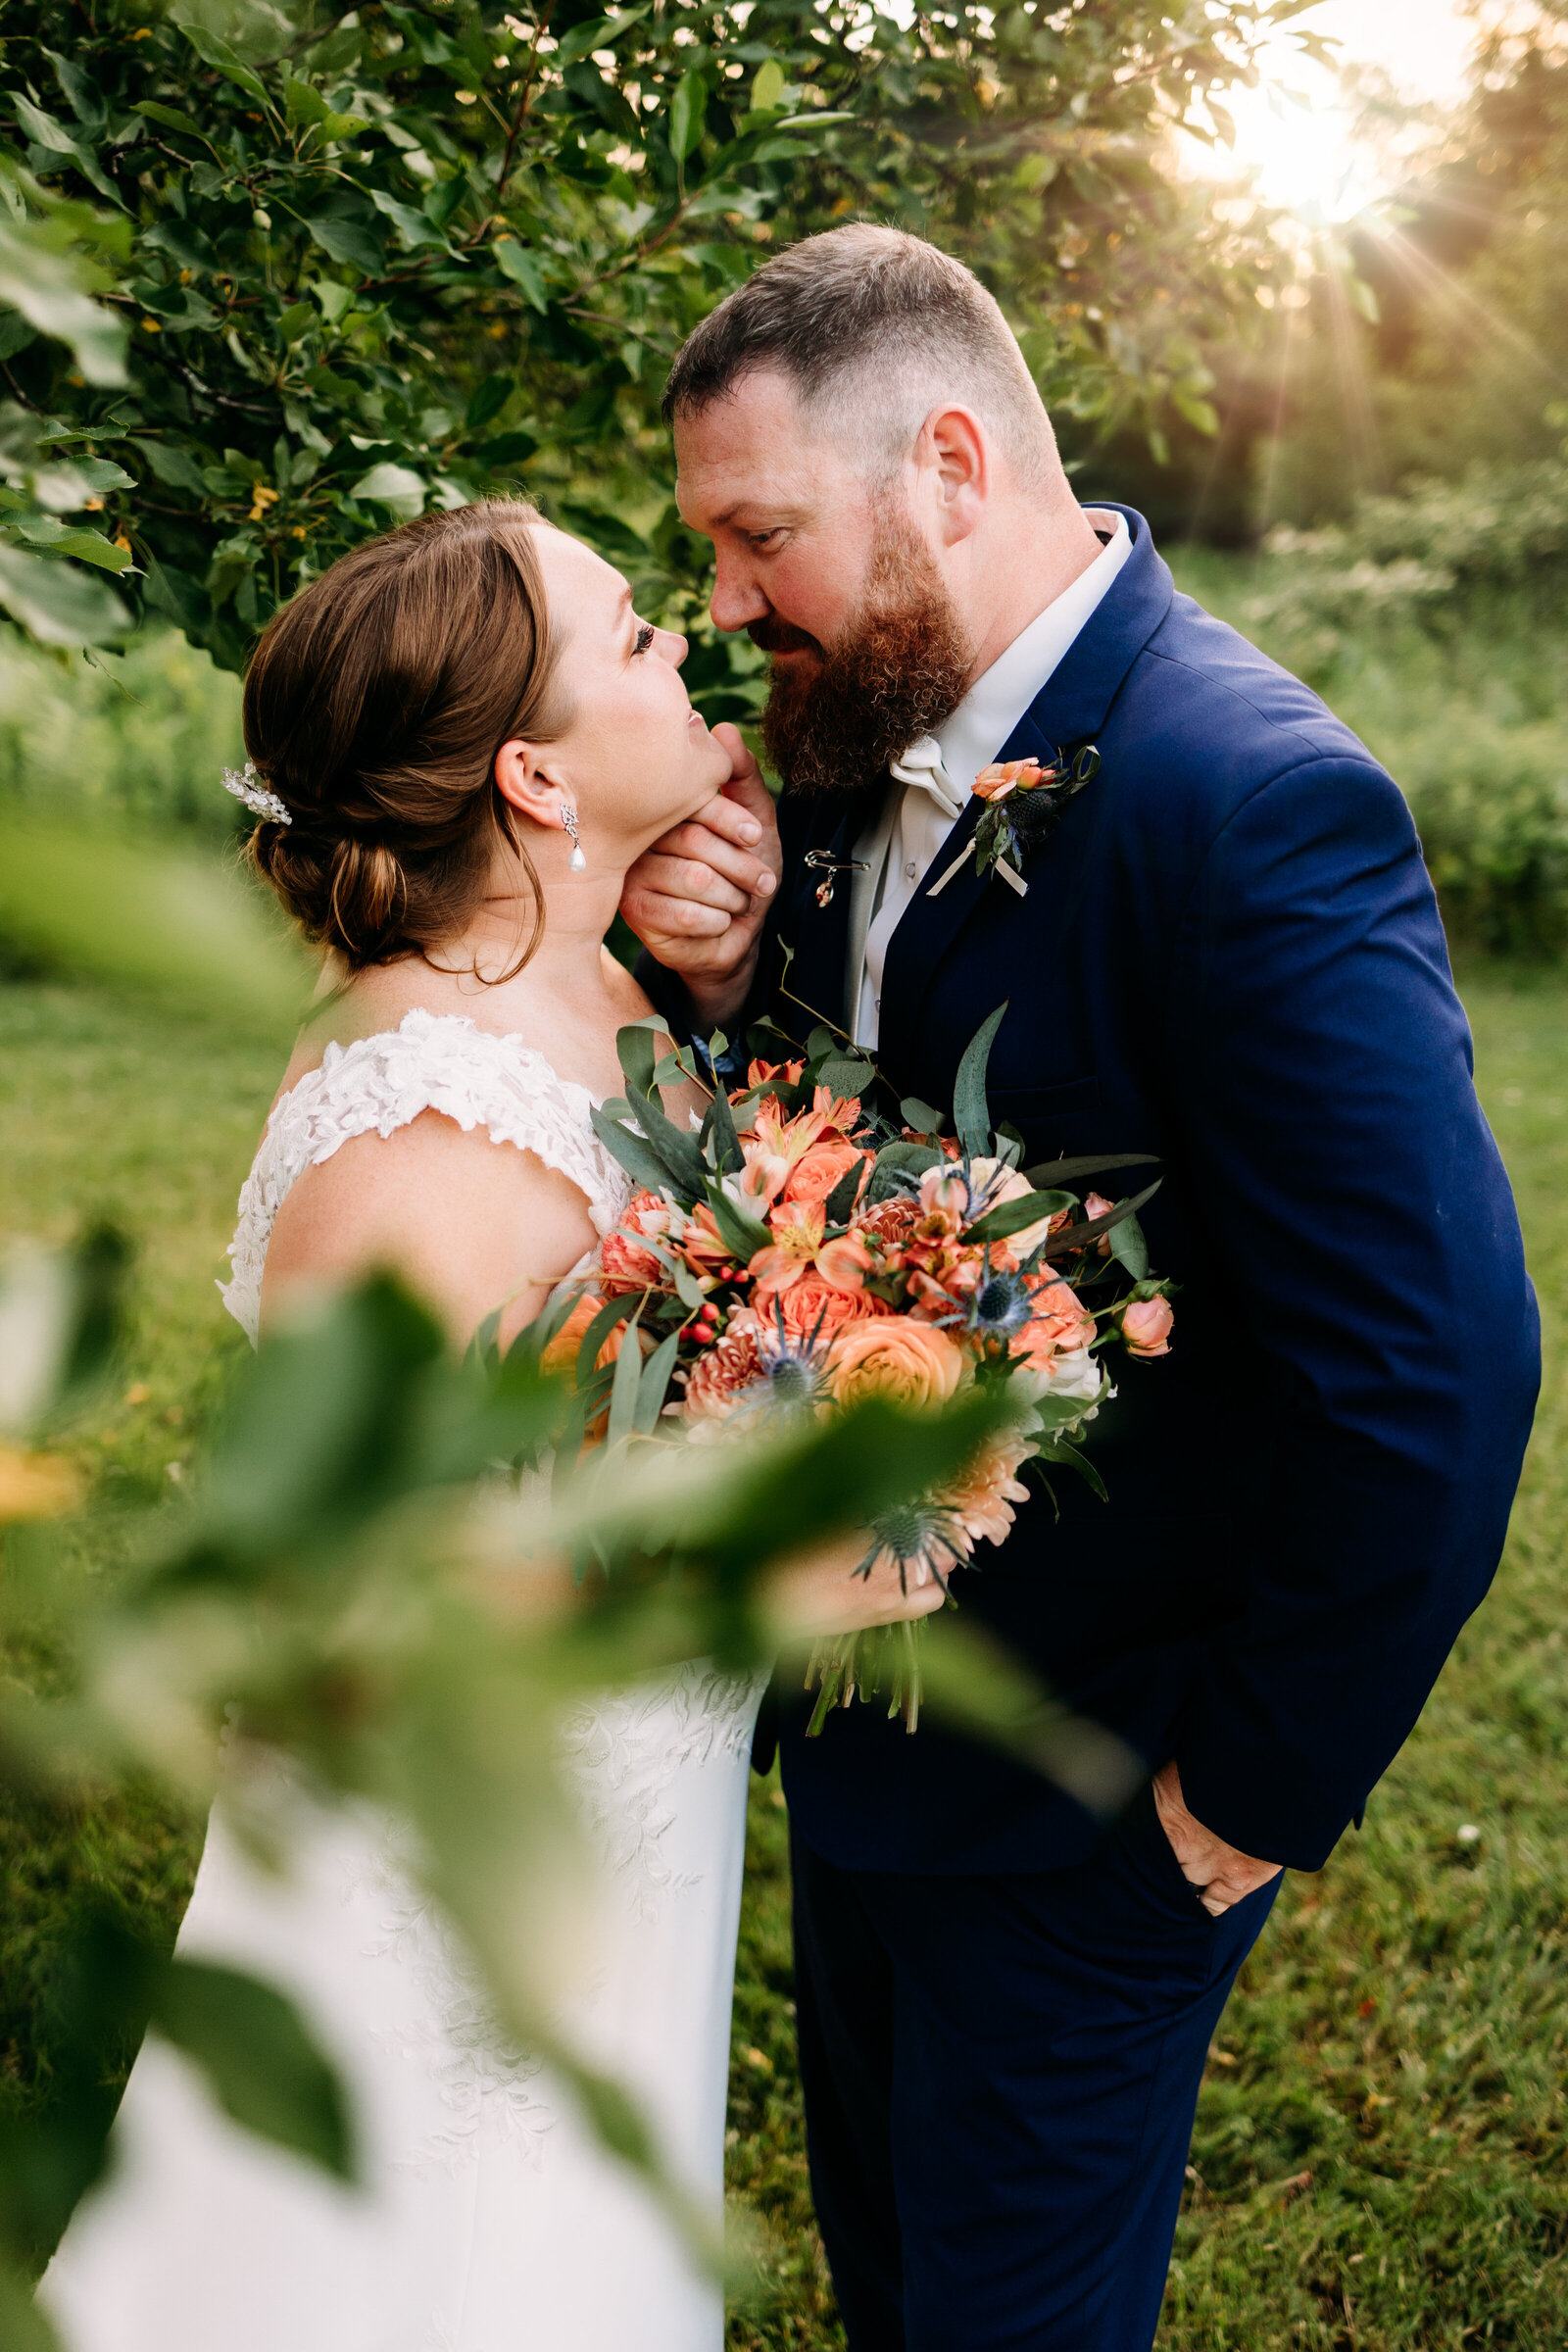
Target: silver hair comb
(247, 786)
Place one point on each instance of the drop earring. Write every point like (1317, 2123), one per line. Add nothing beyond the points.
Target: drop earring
(577, 861)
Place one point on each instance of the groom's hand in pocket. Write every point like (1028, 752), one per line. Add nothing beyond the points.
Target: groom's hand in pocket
(1220, 1874)
(699, 897)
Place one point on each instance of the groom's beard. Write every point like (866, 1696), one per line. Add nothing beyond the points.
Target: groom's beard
(899, 670)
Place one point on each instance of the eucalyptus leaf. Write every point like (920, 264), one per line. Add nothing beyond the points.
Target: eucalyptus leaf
(633, 1151)
(971, 1116)
(848, 1075)
(744, 1236)
(625, 1382)
(655, 1384)
(1090, 1229)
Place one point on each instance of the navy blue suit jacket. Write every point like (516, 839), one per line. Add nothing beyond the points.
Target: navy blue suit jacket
(1230, 954)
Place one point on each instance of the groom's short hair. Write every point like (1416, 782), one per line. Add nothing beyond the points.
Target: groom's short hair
(873, 328)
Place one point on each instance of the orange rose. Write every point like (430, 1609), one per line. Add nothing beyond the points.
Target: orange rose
(994, 783)
(1145, 1327)
(812, 1304)
(913, 1364)
(1057, 1325)
(821, 1171)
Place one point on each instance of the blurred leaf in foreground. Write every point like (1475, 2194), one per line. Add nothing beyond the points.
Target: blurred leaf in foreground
(177, 925)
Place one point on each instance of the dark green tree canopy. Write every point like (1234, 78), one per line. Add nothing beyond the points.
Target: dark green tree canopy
(356, 262)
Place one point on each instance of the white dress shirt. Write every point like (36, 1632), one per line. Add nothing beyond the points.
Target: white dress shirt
(934, 778)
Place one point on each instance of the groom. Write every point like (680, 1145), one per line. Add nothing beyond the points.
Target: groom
(1227, 953)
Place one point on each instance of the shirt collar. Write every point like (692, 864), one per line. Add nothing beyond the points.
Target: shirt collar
(994, 705)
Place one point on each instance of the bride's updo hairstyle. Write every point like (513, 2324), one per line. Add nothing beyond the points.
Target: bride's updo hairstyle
(376, 704)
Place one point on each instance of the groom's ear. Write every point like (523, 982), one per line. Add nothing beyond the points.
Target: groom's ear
(952, 460)
(530, 778)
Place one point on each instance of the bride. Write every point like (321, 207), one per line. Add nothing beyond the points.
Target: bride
(462, 735)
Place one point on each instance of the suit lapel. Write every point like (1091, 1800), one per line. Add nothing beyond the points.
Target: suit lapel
(819, 935)
(1070, 708)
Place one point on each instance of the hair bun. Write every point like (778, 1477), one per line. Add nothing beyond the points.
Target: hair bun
(375, 704)
(368, 898)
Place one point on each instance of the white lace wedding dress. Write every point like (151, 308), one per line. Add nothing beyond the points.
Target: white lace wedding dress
(488, 2221)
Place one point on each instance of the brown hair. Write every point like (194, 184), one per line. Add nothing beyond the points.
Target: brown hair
(375, 705)
(874, 327)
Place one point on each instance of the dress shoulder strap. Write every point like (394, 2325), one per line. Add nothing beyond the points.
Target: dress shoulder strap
(433, 1062)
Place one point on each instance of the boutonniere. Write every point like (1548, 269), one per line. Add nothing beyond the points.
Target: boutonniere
(1023, 802)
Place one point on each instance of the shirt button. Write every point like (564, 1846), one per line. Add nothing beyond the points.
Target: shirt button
(911, 870)
(877, 1002)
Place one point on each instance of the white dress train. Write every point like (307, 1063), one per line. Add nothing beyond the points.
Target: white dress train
(488, 2221)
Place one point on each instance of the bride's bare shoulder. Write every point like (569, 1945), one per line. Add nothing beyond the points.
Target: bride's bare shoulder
(469, 1224)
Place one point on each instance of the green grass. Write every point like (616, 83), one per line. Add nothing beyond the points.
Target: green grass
(1379, 2159)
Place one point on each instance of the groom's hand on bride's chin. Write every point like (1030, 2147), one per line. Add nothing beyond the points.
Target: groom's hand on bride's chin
(699, 897)
(1221, 1873)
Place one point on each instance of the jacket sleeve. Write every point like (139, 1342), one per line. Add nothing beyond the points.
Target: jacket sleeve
(1350, 1185)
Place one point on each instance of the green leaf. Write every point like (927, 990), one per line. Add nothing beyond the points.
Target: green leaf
(412, 227)
(1090, 1229)
(490, 397)
(845, 1074)
(44, 132)
(57, 605)
(742, 1234)
(767, 86)
(596, 33)
(971, 1116)
(46, 287)
(507, 449)
(264, 2068)
(636, 1154)
(216, 52)
(1088, 1163)
(719, 1124)
(523, 267)
(346, 241)
(1129, 1247)
(398, 488)
(169, 116)
(680, 1153)
(23, 2326)
(152, 917)
(655, 1384)
(624, 1385)
(895, 1160)
(920, 1116)
(76, 539)
(688, 112)
(1011, 1216)
(1201, 415)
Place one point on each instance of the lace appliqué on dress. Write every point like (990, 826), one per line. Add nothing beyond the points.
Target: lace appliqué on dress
(626, 1750)
(481, 2083)
(433, 1062)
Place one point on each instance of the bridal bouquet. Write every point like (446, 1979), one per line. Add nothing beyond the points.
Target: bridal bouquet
(800, 1253)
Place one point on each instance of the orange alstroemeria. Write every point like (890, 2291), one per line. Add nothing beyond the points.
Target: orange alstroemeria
(795, 1158)
(787, 1073)
(798, 1246)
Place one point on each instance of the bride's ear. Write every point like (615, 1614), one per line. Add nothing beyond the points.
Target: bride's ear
(529, 776)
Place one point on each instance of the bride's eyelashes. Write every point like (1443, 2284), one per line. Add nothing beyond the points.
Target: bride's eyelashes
(646, 633)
